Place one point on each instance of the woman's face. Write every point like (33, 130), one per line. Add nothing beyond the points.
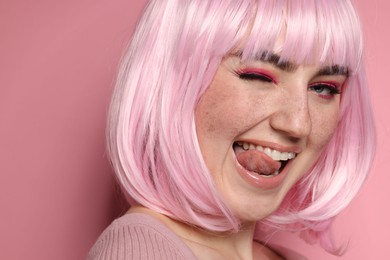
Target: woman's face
(261, 125)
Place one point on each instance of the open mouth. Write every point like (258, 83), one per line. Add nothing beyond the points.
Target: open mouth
(262, 160)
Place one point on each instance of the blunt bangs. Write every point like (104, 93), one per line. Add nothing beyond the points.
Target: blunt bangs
(307, 32)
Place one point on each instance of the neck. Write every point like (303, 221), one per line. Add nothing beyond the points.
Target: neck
(203, 243)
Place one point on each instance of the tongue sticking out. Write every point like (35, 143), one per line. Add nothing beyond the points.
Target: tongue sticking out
(258, 162)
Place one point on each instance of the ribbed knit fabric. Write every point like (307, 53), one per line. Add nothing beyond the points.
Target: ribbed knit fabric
(139, 236)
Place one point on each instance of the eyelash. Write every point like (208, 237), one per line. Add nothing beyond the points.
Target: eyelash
(323, 86)
(254, 75)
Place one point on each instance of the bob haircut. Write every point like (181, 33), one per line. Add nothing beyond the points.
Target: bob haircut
(173, 56)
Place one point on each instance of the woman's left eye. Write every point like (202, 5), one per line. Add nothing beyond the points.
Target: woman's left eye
(325, 90)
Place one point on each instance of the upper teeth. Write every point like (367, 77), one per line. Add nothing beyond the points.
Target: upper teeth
(274, 154)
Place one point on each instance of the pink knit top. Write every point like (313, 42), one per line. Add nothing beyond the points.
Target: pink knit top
(139, 236)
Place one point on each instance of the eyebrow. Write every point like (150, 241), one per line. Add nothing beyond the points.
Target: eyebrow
(333, 70)
(275, 60)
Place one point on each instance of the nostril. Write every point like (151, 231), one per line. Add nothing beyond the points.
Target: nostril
(292, 116)
(293, 125)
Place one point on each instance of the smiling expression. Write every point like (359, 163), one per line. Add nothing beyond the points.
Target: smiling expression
(262, 124)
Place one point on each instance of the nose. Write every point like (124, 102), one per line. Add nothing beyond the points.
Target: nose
(293, 115)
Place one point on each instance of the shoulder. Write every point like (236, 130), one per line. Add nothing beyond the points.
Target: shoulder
(139, 236)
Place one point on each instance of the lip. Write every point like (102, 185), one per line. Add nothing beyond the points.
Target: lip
(258, 181)
(275, 146)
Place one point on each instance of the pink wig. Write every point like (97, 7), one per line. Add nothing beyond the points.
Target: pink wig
(171, 61)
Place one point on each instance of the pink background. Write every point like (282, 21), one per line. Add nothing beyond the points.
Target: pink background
(57, 65)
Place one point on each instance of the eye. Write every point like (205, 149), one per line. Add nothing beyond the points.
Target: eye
(325, 90)
(255, 74)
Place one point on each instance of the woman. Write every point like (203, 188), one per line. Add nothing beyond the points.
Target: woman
(235, 118)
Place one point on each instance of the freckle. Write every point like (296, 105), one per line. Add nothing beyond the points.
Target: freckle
(324, 132)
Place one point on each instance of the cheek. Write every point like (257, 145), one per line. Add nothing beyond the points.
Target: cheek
(323, 127)
(211, 113)
(223, 112)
